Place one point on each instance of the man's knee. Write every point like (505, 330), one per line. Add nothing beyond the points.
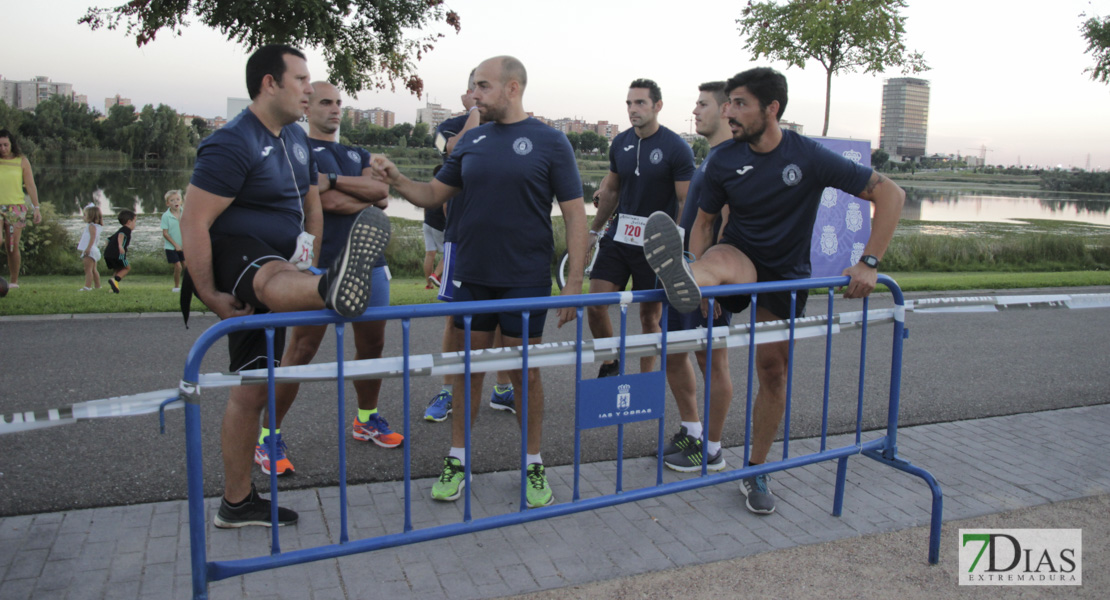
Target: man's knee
(301, 346)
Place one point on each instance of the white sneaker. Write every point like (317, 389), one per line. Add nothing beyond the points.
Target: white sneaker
(85, 289)
(176, 290)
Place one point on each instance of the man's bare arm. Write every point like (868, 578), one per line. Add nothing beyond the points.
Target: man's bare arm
(888, 199)
(201, 210)
(610, 189)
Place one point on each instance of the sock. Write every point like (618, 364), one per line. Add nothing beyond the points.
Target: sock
(459, 453)
(117, 278)
(712, 448)
(534, 459)
(693, 428)
(265, 433)
(322, 287)
(501, 389)
(448, 388)
(364, 415)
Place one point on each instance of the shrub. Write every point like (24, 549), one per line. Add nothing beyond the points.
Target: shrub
(47, 248)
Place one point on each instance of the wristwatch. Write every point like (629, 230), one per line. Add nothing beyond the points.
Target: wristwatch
(332, 177)
(870, 261)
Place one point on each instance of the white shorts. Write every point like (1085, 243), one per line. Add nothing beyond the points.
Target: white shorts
(433, 239)
(93, 254)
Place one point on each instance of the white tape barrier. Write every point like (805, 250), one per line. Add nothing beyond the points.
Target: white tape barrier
(544, 355)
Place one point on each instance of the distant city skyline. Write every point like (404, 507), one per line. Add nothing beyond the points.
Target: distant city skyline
(1011, 80)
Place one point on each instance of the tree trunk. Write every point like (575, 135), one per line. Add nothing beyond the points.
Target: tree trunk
(828, 99)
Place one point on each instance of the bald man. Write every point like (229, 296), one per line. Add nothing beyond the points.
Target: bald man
(508, 171)
(346, 188)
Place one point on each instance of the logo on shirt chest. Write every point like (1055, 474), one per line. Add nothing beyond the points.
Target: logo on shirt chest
(266, 151)
(744, 169)
(480, 138)
(522, 146)
(629, 147)
(300, 153)
(351, 154)
(656, 156)
(792, 175)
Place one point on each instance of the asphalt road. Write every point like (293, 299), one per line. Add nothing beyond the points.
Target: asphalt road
(957, 366)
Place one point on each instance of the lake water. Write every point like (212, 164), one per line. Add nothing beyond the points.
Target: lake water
(70, 188)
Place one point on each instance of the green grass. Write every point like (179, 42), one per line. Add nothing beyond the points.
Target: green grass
(48, 295)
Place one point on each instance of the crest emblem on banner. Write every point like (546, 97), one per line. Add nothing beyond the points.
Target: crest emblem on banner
(624, 397)
(857, 251)
(852, 155)
(828, 197)
(828, 240)
(854, 218)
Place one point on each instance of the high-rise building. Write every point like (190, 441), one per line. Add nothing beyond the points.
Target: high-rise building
(432, 114)
(115, 101)
(905, 120)
(376, 116)
(27, 94)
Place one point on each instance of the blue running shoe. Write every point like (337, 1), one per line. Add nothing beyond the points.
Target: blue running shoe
(503, 400)
(439, 407)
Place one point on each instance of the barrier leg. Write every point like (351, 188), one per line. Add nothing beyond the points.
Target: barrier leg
(938, 498)
(838, 495)
(195, 476)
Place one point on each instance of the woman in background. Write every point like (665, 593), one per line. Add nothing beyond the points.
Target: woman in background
(15, 179)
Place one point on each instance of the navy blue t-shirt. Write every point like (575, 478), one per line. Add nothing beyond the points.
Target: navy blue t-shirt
(648, 169)
(501, 221)
(268, 176)
(773, 198)
(333, 157)
(690, 209)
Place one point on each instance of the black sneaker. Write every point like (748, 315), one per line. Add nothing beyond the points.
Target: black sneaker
(349, 277)
(760, 499)
(681, 442)
(690, 459)
(609, 369)
(255, 511)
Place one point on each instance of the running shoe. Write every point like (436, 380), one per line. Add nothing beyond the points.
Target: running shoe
(376, 430)
(85, 289)
(609, 369)
(254, 511)
(112, 283)
(689, 460)
(262, 456)
(349, 277)
(680, 442)
(439, 407)
(502, 400)
(451, 482)
(433, 280)
(663, 251)
(538, 493)
(760, 499)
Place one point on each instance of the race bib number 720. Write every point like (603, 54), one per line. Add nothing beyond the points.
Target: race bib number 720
(630, 229)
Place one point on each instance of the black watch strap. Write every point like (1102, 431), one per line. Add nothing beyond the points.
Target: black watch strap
(332, 177)
(870, 261)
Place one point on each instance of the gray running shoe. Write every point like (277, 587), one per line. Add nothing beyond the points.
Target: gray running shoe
(663, 250)
(349, 278)
(760, 499)
(689, 460)
(680, 442)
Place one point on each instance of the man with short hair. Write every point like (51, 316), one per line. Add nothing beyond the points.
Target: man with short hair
(771, 180)
(685, 452)
(508, 171)
(447, 135)
(649, 170)
(251, 201)
(346, 188)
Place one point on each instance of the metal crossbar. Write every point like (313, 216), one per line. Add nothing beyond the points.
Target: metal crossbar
(590, 396)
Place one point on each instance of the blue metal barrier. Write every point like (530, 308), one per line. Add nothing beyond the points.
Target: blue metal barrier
(637, 406)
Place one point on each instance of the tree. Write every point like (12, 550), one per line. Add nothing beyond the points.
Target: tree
(366, 43)
(419, 134)
(575, 140)
(700, 148)
(200, 127)
(842, 35)
(1097, 33)
(879, 158)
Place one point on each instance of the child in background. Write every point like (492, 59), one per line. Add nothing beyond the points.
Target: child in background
(115, 253)
(171, 233)
(90, 253)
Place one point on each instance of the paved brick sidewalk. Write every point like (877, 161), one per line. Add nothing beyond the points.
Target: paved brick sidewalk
(984, 466)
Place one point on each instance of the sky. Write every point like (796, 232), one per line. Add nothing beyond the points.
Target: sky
(1005, 74)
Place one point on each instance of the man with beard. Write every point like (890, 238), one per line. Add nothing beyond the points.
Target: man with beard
(771, 180)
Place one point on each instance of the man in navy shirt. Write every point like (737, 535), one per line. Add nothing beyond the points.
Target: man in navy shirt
(252, 195)
(649, 170)
(346, 188)
(772, 181)
(508, 171)
(685, 452)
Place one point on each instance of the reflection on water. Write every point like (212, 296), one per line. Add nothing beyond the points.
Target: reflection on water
(69, 189)
(995, 206)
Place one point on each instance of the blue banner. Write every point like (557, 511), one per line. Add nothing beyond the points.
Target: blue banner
(843, 221)
(622, 399)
